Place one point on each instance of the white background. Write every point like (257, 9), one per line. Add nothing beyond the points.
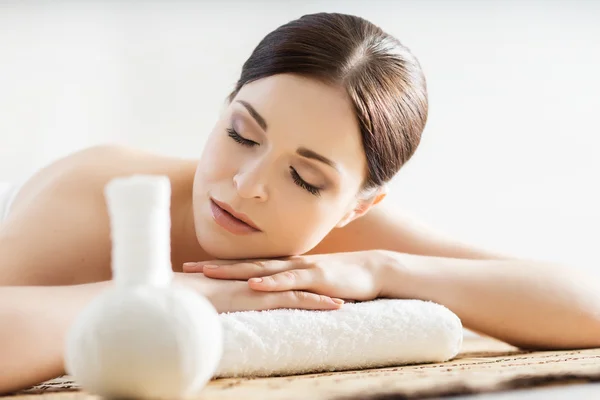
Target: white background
(509, 158)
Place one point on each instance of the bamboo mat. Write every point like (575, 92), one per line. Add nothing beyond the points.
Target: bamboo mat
(483, 365)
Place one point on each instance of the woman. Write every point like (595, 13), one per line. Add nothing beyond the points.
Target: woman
(327, 110)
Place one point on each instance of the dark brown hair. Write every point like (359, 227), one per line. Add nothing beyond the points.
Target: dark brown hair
(381, 76)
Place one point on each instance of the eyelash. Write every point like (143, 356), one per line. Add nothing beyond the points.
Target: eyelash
(300, 182)
(232, 133)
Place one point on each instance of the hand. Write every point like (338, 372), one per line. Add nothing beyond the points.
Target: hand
(230, 296)
(352, 276)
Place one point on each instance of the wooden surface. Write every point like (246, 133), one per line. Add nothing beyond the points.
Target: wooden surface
(484, 365)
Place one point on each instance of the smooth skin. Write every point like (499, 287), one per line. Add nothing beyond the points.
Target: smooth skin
(320, 238)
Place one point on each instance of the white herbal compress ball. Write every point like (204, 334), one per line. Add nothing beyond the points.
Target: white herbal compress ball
(144, 337)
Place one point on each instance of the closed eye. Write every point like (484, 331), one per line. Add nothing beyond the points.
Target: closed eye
(232, 133)
(303, 184)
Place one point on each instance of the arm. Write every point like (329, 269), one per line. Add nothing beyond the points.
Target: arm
(33, 323)
(34, 320)
(527, 304)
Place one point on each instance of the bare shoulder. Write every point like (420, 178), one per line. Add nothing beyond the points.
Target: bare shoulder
(58, 229)
(91, 168)
(386, 227)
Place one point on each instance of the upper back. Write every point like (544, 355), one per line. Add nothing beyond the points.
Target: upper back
(58, 230)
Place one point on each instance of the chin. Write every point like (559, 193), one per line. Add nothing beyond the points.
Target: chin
(222, 246)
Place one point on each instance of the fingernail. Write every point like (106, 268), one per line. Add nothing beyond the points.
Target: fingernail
(338, 301)
(190, 264)
(211, 266)
(256, 280)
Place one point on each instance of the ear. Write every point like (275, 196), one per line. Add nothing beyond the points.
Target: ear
(363, 206)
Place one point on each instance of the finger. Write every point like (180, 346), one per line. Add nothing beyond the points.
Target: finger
(199, 265)
(305, 300)
(248, 300)
(251, 269)
(296, 279)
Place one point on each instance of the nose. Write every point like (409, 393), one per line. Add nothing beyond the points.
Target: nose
(250, 182)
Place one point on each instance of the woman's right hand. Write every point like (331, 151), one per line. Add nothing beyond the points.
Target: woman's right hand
(231, 295)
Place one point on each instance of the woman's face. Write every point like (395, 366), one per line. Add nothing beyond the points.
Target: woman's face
(286, 156)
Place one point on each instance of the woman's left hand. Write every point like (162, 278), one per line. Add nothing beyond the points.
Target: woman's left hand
(351, 276)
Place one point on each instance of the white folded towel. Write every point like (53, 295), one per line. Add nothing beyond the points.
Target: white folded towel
(378, 333)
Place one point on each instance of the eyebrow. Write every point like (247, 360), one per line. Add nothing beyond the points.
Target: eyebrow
(307, 153)
(254, 114)
(302, 151)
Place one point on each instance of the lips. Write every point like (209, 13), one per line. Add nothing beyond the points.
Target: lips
(232, 221)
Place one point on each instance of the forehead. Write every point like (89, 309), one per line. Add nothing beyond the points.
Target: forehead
(303, 112)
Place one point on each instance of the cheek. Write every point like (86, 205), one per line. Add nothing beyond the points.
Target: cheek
(305, 222)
